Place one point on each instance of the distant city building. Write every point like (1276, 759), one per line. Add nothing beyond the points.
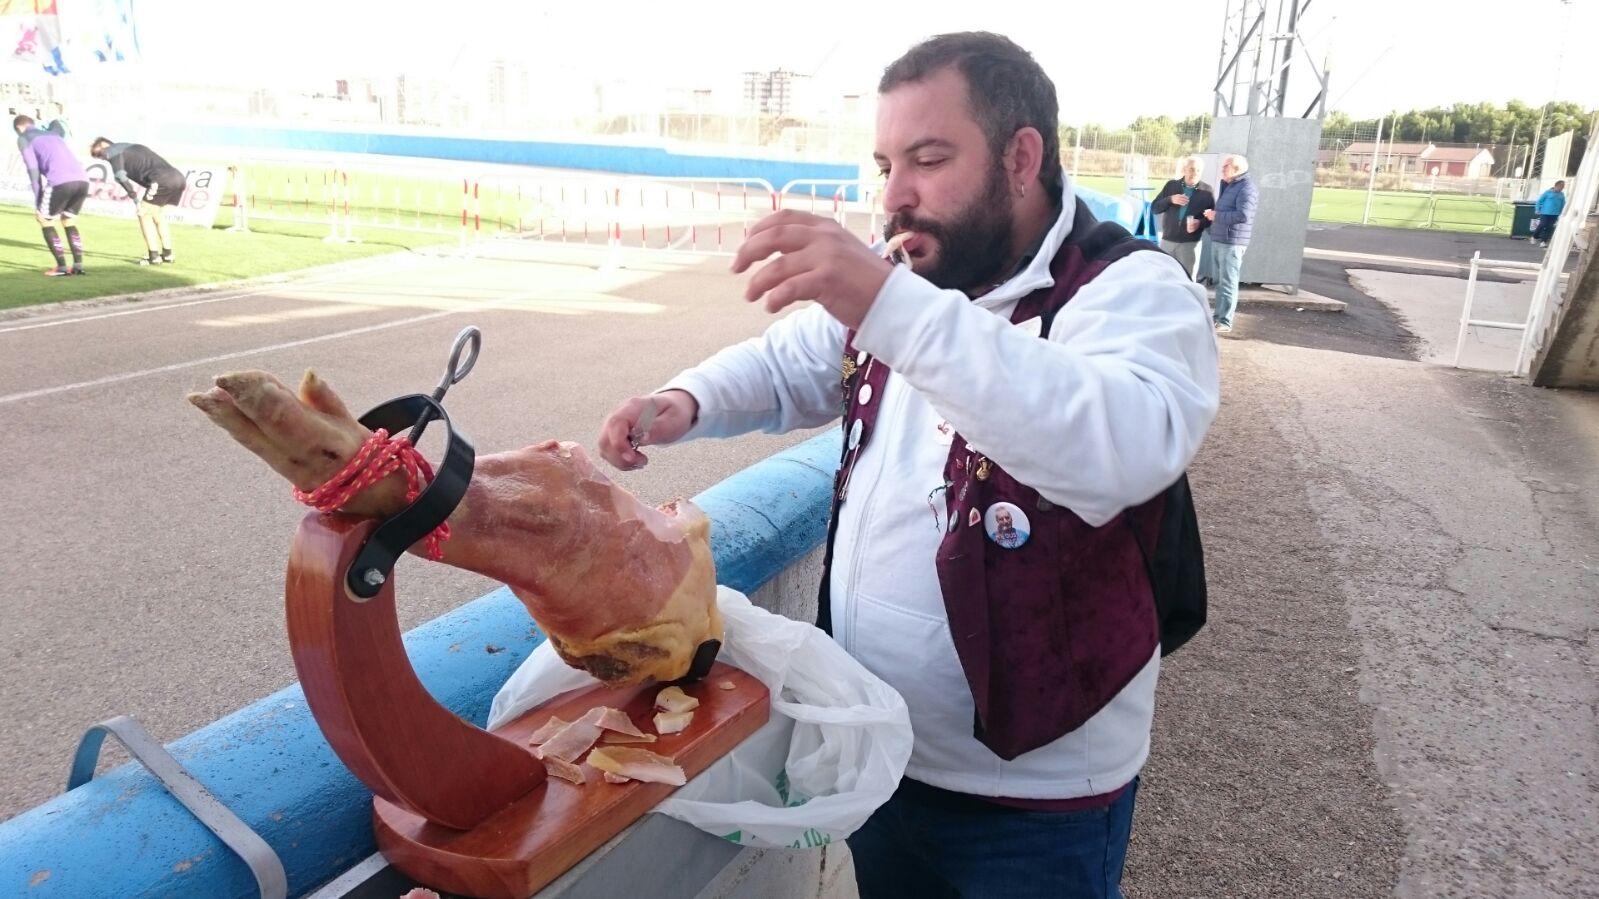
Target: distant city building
(779, 93)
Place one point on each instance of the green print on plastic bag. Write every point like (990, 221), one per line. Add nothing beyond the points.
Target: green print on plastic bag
(813, 838)
(788, 799)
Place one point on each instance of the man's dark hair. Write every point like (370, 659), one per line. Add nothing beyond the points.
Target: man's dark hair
(22, 121)
(96, 145)
(1006, 90)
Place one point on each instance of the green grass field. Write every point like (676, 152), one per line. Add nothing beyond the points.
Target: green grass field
(1449, 212)
(112, 246)
(375, 198)
(1391, 209)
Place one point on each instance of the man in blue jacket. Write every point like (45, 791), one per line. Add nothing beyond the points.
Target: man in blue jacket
(1550, 204)
(1231, 223)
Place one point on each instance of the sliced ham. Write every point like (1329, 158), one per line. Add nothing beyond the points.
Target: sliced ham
(624, 591)
(638, 764)
(614, 737)
(547, 730)
(616, 721)
(566, 771)
(574, 739)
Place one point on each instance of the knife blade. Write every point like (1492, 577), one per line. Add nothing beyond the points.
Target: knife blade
(641, 430)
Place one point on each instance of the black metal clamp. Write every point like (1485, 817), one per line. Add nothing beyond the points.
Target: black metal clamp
(375, 561)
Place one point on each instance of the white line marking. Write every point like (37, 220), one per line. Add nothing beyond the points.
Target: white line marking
(178, 366)
(104, 315)
(285, 285)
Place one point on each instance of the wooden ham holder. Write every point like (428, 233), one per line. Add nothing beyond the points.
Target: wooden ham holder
(457, 807)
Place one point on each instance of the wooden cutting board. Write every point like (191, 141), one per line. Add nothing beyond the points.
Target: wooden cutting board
(520, 849)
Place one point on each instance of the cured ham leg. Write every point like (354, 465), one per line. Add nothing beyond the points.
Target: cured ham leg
(624, 592)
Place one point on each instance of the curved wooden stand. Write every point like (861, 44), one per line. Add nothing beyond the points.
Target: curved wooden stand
(377, 716)
(457, 807)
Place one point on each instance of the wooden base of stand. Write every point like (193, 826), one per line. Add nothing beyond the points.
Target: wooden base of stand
(520, 849)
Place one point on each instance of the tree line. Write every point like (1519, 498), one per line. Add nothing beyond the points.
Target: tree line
(1483, 123)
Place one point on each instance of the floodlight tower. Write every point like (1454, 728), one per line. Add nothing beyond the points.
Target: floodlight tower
(1261, 44)
(1258, 42)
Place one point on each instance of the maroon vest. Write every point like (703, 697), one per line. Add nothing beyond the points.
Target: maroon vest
(1048, 632)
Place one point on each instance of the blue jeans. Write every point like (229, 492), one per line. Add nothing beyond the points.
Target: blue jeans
(1229, 263)
(1546, 227)
(929, 844)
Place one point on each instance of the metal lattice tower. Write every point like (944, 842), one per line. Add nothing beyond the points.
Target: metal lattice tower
(1259, 39)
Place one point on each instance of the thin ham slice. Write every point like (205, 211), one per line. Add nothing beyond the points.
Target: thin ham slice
(613, 737)
(547, 730)
(574, 739)
(566, 771)
(616, 720)
(638, 764)
(624, 591)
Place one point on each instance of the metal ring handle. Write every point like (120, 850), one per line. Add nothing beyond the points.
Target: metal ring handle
(470, 341)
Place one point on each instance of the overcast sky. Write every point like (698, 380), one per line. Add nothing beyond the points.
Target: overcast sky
(1110, 61)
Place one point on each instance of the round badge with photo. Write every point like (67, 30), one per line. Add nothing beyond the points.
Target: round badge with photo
(1007, 525)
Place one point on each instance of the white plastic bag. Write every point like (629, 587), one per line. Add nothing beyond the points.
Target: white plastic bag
(834, 749)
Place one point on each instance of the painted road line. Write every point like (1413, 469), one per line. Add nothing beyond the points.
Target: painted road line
(209, 360)
(69, 319)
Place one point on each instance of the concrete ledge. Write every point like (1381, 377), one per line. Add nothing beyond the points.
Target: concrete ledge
(1303, 300)
(123, 835)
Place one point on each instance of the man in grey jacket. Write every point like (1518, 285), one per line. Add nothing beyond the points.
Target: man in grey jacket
(1232, 222)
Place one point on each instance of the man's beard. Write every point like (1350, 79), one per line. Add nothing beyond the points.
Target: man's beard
(975, 246)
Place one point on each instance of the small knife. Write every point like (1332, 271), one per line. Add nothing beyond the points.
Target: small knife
(642, 429)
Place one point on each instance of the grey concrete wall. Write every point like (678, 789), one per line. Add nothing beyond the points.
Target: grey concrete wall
(1282, 161)
(825, 873)
(1570, 358)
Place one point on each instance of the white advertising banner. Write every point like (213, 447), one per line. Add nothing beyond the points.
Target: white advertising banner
(201, 198)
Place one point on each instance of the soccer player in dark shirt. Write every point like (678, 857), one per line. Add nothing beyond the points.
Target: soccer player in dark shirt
(152, 184)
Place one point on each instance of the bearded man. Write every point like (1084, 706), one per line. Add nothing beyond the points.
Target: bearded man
(1079, 373)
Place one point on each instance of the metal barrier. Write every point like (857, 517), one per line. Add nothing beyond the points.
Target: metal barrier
(1546, 298)
(339, 210)
(1466, 321)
